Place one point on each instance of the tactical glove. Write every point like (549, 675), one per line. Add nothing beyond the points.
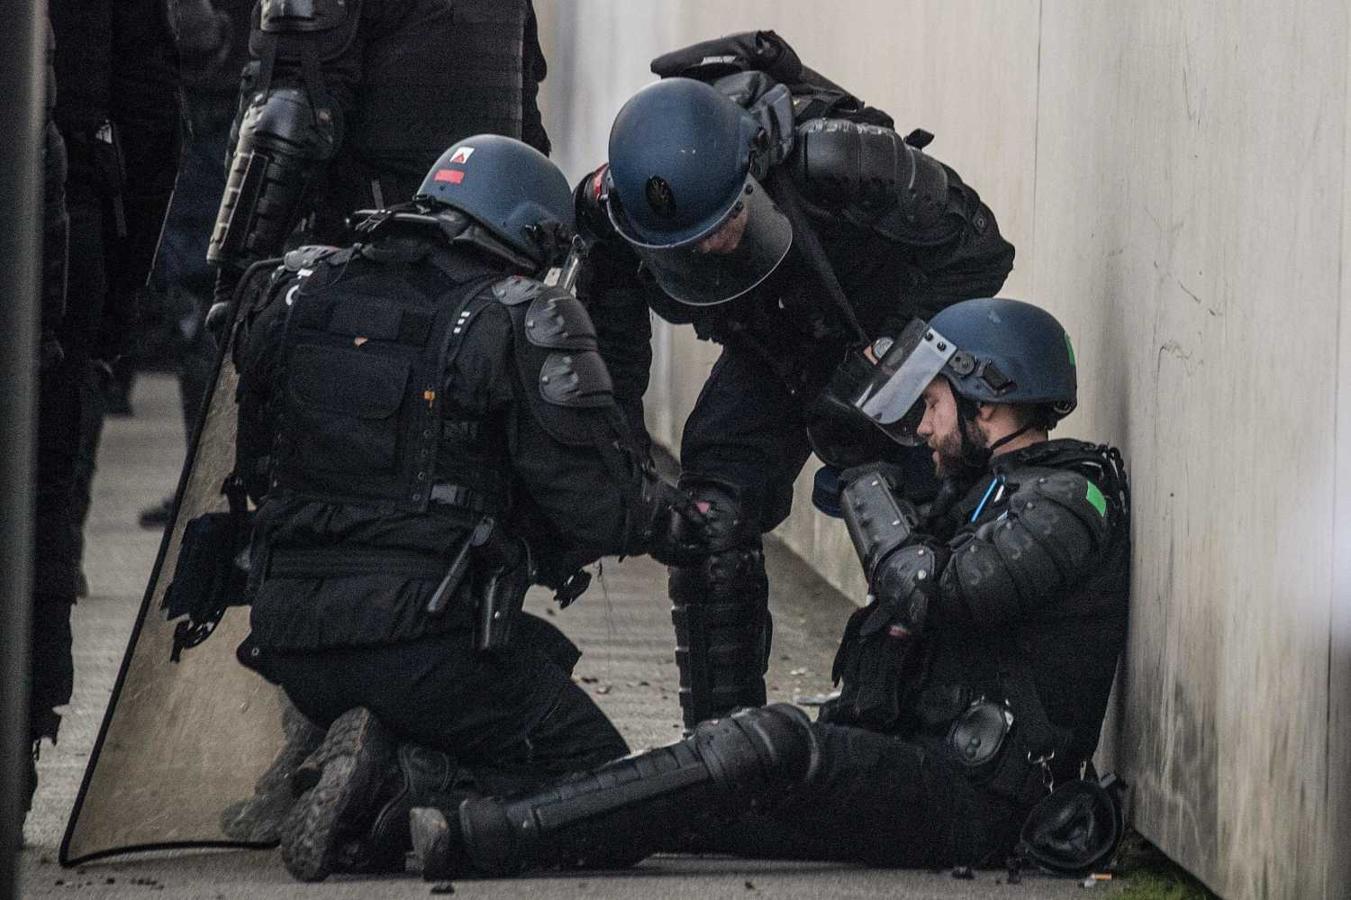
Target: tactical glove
(677, 530)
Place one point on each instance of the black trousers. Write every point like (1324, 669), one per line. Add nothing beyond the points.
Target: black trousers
(881, 800)
(513, 717)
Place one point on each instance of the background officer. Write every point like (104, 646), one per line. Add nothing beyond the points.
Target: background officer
(428, 430)
(347, 105)
(975, 678)
(788, 222)
(212, 40)
(109, 133)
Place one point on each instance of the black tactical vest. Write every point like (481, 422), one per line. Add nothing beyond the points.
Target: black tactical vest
(365, 356)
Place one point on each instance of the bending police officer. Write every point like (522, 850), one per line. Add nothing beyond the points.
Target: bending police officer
(788, 222)
(427, 430)
(976, 677)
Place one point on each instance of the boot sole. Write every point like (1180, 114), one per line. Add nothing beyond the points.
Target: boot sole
(354, 753)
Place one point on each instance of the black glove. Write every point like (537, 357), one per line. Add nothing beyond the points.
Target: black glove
(875, 670)
(677, 530)
(901, 588)
(880, 653)
(588, 201)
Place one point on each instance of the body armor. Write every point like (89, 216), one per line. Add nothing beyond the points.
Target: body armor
(362, 372)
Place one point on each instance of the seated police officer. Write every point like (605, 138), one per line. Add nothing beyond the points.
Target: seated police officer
(975, 678)
(427, 430)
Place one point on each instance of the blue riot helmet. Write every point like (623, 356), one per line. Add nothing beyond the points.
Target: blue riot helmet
(682, 193)
(990, 350)
(509, 188)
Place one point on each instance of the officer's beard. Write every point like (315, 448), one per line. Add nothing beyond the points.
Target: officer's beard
(948, 459)
(962, 453)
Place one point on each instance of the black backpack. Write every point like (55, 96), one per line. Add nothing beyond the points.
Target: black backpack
(766, 54)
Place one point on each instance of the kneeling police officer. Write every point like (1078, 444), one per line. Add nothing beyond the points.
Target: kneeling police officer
(427, 430)
(976, 677)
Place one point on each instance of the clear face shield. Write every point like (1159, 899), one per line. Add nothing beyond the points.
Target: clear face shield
(724, 261)
(892, 400)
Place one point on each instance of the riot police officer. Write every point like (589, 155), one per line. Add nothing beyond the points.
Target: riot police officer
(428, 430)
(787, 221)
(347, 105)
(976, 677)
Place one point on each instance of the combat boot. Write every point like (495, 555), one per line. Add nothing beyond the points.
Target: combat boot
(257, 820)
(328, 822)
(424, 778)
(353, 815)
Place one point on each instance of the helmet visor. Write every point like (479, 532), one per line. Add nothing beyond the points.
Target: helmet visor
(892, 399)
(722, 262)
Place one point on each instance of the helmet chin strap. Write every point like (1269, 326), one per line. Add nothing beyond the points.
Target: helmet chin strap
(974, 455)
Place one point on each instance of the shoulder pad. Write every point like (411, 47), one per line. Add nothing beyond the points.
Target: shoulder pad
(556, 320)
(576, 379)
(309, 256)
(281, 16)
(1054, 526)
(1067, 489)
(516, 289)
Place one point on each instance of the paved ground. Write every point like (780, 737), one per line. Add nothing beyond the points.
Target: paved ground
(623, 625)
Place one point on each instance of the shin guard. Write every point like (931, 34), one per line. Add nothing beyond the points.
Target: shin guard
(720, 609)
(642, 804)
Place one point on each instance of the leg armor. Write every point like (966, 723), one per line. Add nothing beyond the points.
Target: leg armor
(630, 808)
(720, 608)
(284, 139)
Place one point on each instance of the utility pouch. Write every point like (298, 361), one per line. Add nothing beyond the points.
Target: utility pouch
(500, 601)
(977, 735)
(209, 577)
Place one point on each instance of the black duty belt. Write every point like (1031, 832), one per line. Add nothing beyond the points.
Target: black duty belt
(337, 562)
(461, 497)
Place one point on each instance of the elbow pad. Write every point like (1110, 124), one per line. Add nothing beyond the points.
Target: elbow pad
(283, 141)
(837, 163)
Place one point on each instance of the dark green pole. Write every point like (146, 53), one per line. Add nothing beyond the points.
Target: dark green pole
(23, 48)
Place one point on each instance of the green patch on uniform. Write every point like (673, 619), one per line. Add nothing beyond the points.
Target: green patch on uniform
(1096, 498)
(1070, 348)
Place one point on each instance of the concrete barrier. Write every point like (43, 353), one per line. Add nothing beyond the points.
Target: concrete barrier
(1174, 177)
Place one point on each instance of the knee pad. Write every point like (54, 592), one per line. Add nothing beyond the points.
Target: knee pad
(757, 749)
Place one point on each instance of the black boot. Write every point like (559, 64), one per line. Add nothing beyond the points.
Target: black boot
(354, 816)
(425, 778)
(326, 825)
(257, 820)
(628, 809)
(720, 608)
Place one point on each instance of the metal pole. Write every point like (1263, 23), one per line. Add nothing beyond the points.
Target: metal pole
(23, 48)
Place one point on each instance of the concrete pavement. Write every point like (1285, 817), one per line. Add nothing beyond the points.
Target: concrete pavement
(622, 624)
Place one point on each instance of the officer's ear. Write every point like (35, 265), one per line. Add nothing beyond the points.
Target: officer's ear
(987, 412)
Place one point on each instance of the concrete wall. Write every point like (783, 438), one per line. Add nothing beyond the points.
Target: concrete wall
(1173, 176)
